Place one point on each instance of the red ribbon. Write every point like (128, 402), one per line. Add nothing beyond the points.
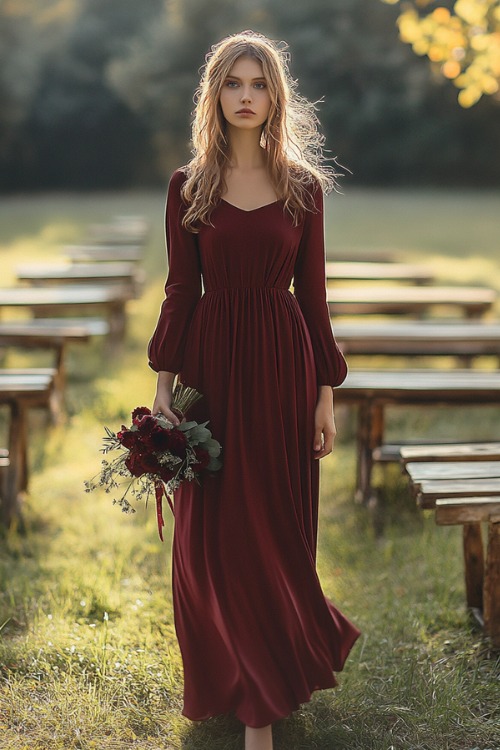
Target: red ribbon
(159, 492)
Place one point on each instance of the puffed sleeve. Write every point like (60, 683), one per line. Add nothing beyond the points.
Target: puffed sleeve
(310, 291)
(182, 287)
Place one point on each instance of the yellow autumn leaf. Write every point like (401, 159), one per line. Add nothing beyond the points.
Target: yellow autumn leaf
(472, 11)
(408, 26)
(480, 42)
(489, 84)
(469, 96)
(441, 15)
(451, 69)
(437, 53)
(420, 47)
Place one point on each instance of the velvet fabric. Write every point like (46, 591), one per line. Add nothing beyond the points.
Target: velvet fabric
(256, 633)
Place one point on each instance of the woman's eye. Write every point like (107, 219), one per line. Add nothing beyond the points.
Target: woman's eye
(260, 84)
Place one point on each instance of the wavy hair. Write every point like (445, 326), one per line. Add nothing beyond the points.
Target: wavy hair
(290, 135)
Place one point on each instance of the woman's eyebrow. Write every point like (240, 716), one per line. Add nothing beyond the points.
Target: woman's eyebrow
(259, 78)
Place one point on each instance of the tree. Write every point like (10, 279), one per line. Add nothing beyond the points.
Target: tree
(461, 41)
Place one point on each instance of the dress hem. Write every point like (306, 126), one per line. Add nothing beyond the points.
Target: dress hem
(272, 717)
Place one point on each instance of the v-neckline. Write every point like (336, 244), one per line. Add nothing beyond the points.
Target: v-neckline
(249, 210)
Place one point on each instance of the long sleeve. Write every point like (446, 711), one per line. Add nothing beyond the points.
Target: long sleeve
(310, 291)
(182, 288)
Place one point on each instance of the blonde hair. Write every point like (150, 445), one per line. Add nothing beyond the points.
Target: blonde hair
(290, 135)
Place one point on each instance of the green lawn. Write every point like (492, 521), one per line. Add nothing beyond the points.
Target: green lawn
(88, 655)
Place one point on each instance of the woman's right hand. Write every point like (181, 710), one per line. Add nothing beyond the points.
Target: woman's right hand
(163, 397)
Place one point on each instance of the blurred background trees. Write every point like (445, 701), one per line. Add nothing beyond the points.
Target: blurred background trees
(100, 95)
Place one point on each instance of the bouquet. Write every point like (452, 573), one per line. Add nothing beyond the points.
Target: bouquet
(156, 456)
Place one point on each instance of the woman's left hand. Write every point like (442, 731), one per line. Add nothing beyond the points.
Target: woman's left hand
(324, 424)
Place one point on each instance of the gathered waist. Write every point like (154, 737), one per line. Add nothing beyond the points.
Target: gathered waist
(261, 287)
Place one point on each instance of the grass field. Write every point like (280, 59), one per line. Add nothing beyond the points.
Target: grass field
(88, 655)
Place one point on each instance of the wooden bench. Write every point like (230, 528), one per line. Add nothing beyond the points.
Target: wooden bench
(118, 232)
(482, 580)
(372, 271)
(43, 274)
(373, 390)
(53, 334)
(409, 300)
(103, 253)
(20, 390)
(450, 452)
(465, 502)
(81, 298)
(363, 254)
(4, 464)
(457, 480)
(463, 338)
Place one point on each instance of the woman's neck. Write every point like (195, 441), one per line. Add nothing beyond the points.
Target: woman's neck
(246, 153)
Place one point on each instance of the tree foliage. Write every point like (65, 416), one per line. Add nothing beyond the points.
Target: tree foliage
(100, 94)
(461, 41)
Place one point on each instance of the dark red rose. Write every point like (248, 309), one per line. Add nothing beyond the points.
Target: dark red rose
(140, 411)
(145, 424)
(150, 463)
(162, 439)
(141, 463)
(133, 462)
(126, 437)
(177, 442)
(159, 440)
(203, 457)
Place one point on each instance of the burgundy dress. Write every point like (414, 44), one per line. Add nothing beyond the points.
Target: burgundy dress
(256, 633)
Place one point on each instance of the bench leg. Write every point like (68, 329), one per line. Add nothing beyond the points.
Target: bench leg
(363, 459)
(370, 434)
(474, 564)
(117, 322)
(492, 582)
(16, 474)
(57, 397)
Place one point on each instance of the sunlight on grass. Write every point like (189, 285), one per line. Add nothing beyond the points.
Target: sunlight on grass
(88, 653)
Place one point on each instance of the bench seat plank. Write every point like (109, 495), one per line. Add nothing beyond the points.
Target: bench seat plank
(96, 272)
(26, 383)
(77, 294)
(451, 452)
(364, 255)
(103, 253)
(458, 510)
(428, 492)
(118, 231)
(373, 271)
(421, 471)
(471, 301)
(45, 330)
(423, 338)
(420, 386)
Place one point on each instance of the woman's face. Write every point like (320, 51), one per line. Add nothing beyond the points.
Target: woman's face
(245, 88)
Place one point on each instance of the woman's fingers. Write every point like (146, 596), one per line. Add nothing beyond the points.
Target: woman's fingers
(325, 444)
(161, 407)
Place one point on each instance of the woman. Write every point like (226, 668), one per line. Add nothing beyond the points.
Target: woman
(256, 633)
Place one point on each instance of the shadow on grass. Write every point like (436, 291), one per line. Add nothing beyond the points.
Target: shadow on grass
(315, 726)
